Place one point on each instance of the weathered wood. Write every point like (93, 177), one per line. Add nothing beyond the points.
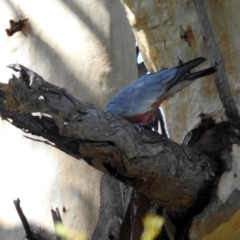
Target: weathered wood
(170, 174)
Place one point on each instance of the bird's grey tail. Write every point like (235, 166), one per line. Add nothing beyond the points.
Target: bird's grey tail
(186, 67)
(199, 74)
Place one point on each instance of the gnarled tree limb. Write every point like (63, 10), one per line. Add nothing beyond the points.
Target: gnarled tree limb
(172, 175)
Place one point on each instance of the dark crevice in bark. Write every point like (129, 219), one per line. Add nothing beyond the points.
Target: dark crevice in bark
(216, 58)
(183, 224)
(215, 140)
(142, 70)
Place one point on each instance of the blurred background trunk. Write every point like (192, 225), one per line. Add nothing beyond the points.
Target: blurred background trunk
(88, 48)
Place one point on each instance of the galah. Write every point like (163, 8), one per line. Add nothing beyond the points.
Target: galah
(139, 101)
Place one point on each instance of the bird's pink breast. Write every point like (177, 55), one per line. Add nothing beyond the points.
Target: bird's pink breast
(147, 117)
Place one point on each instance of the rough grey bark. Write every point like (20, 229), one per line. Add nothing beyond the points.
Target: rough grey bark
(172, 175)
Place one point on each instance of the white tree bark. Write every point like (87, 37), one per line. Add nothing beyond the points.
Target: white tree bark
(91, 47)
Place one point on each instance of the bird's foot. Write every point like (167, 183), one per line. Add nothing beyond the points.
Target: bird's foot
(138, 127)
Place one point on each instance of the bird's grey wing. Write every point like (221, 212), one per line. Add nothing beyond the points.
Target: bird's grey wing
(139, 96)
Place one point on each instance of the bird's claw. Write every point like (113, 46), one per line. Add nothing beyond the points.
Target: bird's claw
(138, 127)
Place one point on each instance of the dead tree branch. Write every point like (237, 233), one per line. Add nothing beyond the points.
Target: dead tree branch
(172, 175)
(30, 233)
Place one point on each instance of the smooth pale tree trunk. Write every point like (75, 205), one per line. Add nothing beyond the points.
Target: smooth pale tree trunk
(168, 32)
(88, 48)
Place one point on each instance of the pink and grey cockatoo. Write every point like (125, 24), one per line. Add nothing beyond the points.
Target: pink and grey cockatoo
(139, 101)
